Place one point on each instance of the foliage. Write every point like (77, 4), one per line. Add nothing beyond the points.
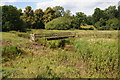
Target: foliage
(111, 12)
(106, 19)
(61, 23)
(67, 13)
(98, 13)
(48, 15)
(89, 20)
(111, 24)
(28, 16)
(15, 19)
(0, 16)
(11, 19)
(54, 43)
(38, 19)
(10, 52)
(78, 20)
(59, 11)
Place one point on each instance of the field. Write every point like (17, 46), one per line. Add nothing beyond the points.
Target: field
(91, 54)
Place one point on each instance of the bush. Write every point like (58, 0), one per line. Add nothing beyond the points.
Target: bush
(55, 43)
(9, 52)
(61, 23)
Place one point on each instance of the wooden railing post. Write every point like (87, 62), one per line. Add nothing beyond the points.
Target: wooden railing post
(32, 36)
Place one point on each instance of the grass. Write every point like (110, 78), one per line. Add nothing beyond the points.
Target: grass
(94, 54)
(101, 56)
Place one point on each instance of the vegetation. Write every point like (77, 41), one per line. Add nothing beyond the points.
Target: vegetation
(106, 19)
(92, 54)
(59, 11)
(11, 19)
(61, 23)
(103, 61)
(51, 18)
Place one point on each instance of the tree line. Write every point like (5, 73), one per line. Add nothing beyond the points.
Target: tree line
(58, 18)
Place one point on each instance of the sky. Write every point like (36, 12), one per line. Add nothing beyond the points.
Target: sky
(85, 6)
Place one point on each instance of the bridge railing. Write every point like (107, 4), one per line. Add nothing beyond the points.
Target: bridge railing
(51, 35)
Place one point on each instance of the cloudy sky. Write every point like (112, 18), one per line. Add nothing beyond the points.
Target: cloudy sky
(86, 6)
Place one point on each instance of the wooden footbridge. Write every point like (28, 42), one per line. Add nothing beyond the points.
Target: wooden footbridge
(52, 36)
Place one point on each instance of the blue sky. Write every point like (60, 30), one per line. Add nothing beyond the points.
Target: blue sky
(86, 6)
(22, 5)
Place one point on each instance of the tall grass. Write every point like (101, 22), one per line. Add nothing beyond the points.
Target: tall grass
(100, 56)
(95, 55)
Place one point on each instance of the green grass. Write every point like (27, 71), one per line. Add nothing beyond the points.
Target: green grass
(94, 55)
(101, 57)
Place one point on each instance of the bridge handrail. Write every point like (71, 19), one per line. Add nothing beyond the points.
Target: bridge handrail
(33, 36)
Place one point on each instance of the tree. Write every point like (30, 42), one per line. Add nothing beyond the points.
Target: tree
(78, 20)
(38, 19)
(111, 12)
(0, 18)
(75, 22)
(89, 20)
(67, 13)
(48, 15)
(11, 19)
(119, 11)
(59, 11)
(98, 13)
(28, 16)
(100, 24)
(82, 18)
(20, 10)
(113, 24)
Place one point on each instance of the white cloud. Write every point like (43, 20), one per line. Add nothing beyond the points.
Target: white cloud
(86, 6)
(1, 3)
(22, 0)
(8, 0)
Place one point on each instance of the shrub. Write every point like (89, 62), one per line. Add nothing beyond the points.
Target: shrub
(61, 23)
(9, 52)
(54, 43)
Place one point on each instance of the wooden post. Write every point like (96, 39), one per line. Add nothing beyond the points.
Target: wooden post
(32, 37)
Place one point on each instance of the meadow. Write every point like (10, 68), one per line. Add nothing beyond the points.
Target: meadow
(91, 54)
